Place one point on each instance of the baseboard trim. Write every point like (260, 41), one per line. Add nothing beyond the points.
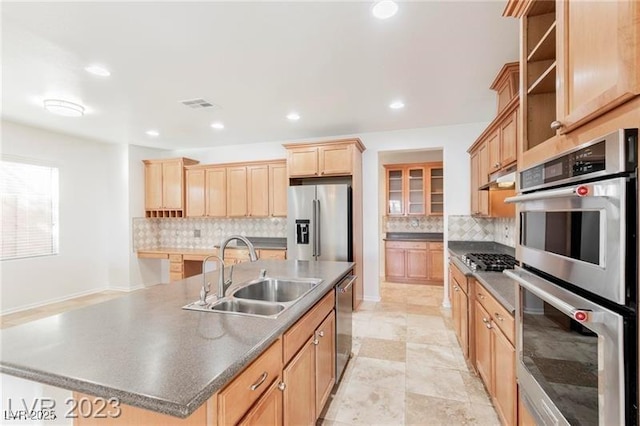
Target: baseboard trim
(54, 300)
(125, 289)
(371, 299)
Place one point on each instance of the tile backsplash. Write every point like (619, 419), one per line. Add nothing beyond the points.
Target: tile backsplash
(413, 224)
(150, 233)
(470, 228)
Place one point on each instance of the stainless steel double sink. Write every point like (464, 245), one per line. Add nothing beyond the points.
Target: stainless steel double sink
(263, 297)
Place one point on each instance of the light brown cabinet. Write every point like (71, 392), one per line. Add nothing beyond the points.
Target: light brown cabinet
(495, 358)
(460, 310)
(331, 159)
(165, 187)
(414, 189)
(488, 203)
(579, 64)
(255, 189)
(300, 393)
(415, 262)
(268, 410)
(258, 190)
(325, 372)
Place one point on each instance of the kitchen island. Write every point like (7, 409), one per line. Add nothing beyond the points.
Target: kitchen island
(148, 352)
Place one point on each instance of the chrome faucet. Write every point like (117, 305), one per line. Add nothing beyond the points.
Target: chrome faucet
(204, 291)
(225, 284)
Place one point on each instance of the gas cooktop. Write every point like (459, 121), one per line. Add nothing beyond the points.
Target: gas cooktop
(489, 261)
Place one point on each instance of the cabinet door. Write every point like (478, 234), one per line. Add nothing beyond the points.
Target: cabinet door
(415, 195)
(153, 186)
(598, 56)
(172, 185)
(508, 139)
(436, 265)
(417, 264)
(435, 191)
(395, 266)
(335, 160)
(195, 192)
(482, 322)
(216, 192)
(258, 190)
(493, 144)
(236, 191)
(268, 409)
(475, 174)
(395, 192)
(504, 377)
(303, 162)
(464, 322)
(325, 360)
(483, 177)
(299, 405)
(278, 186)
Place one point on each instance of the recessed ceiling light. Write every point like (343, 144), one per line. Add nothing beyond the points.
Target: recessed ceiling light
(384, 9)
(293, 116)
(153, 133)
(98, 70)
(218, 125)
(64, 108)
(396, 105)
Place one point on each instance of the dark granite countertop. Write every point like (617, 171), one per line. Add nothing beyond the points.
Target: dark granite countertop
(503, 288)
(413, 236)
(144, 349)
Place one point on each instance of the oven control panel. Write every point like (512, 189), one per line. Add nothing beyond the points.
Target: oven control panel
(611, 154)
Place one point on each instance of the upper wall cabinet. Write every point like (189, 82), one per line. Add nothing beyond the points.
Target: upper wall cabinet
(579, 62)
(256, 189)
(164, 187)
(414, 189)
(335, 158)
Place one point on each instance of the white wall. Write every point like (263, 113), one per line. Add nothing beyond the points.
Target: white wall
(86, 219)
(453, 140)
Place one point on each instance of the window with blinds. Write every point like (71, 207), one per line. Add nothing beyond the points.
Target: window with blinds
(29, 213)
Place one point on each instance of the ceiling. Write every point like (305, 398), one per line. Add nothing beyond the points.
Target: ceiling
(332, 62)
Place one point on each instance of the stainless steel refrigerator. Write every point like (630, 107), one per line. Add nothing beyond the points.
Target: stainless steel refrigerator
(319, 222)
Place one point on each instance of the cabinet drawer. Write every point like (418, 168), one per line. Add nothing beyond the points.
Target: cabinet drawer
(239, 395)
(500, 316)
(407, 244)
(273, 254)
(175, 267)
(175, 258)
(175, 276)
(300, 332)
(460, 278)
(436, 246)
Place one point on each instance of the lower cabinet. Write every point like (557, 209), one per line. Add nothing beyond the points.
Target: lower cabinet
(414, 262)
(458, 288)
(268, 410)
(495, 355)
(325, 360)
(299, 387)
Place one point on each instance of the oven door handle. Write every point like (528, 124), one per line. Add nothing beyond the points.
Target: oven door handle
(580, 315)
(554, 193)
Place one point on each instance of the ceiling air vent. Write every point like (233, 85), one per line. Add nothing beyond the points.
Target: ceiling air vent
(198, 103)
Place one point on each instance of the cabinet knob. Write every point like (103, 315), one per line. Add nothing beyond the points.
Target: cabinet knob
(497, 165)
(282, 386)
(321, 333)
(316, 342)
(555, 125)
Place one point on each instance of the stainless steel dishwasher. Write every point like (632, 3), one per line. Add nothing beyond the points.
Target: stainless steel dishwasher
(344, 311)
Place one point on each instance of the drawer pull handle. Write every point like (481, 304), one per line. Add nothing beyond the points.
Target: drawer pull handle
(260, 381)
(499, 317)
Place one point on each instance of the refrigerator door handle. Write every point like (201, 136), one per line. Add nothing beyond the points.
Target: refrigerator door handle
(318, 232)
(314, 224)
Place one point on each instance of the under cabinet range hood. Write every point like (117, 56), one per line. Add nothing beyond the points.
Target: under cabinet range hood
(501, 180)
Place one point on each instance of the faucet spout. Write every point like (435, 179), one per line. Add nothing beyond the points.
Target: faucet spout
(204, 291)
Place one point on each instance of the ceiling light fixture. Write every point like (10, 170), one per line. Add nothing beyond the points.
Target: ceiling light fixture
(384, 9)
(64, 108)
(153, 133)
(98, 70)
(293, 116)
(218, 125)
(396, 105)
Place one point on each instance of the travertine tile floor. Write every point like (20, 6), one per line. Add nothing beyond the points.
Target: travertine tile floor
(408, 367)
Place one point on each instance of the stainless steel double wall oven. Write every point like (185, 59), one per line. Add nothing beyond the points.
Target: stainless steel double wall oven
(576, 312)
